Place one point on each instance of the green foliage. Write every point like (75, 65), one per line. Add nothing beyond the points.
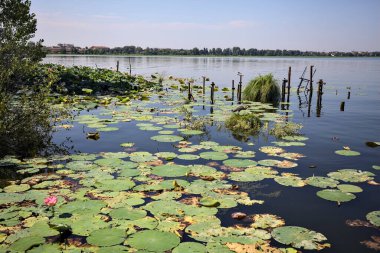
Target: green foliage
(262, 89)
(281, 130)
(246, 124)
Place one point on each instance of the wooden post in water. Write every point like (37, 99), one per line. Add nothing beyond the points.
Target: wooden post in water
(189, 95)
(349, 95)
(289, 77)
(311, 78)
(342, 106)
(319, 98)
(212, 92)
(283, 90)
(240, 87)
(204, 84)
(233, 90)
(117, 66)
(130, 66)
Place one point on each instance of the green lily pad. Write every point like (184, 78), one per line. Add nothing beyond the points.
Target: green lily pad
(153, 240)
(126, 213)
(190, 247)
(376, 167)
(299, 237)
(336, 195)
(344, 152)
(209, 202)
(166, 155)
(349, 188)
(322, 182)
(267, 221)
(239, 163)
(215, 156)
(295, 138)
(46, 248)
(374, 218)
(107, 129)
(290, 181)
(170, 170)
(16, 188)
(352, 175)
(25, 243)
(127, 144)
(190, 132)
(269, 162)
(106, 237)
(167, 138)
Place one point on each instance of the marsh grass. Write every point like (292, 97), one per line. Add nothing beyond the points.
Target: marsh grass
(247, 124)
(262, 89)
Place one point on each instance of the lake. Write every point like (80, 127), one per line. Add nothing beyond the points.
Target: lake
(328, 128)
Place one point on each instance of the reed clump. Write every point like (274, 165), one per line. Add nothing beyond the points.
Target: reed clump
(262, 89)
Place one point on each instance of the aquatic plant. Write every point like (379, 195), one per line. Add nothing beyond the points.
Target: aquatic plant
(281, 130)
(262, 89)
(245, 124)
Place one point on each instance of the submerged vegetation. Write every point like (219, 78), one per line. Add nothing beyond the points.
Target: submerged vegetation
(243, 124)
(262, 89)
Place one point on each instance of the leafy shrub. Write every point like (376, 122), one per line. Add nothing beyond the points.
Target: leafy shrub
(262, 89)
(246, 124)
(285, 129)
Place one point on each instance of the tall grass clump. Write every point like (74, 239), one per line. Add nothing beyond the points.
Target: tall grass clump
(262, 89)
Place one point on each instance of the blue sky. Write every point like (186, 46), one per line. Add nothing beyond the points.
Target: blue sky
(322, 25)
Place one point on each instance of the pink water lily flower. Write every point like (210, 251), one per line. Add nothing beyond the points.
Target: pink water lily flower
(51, 200)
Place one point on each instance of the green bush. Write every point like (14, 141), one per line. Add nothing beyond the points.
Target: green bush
(262, 89)
(246, 124)
(285, 129)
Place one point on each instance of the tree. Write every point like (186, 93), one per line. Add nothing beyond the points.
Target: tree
(25, 114)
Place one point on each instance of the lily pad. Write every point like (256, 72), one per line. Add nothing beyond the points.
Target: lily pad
(349, 188)
(352, 175)
(25, 243)
(209, 202)
(215, 156)
(126, 213)
(153, 240)
(374, 218)
(170, 170)
(239, 163)
(336, 195)
(16, 188)
(190, 247)
(188, 157)
(267, 221)
(106, 237)
(167, 138)
(299, 237)
(345, 152)
(322, 182)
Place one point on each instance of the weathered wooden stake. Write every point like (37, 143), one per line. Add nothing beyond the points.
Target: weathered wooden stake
(283, 91)
(311, 78)
(240, 87)
(117, 66)
(189, 95)
(349, 95)
(289, 77)
(212, 92)
(342, 106)
(233, 90)
(204, 84)
(130, 66)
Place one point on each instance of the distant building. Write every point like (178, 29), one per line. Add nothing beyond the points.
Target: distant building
(99, 48)
(64, 49)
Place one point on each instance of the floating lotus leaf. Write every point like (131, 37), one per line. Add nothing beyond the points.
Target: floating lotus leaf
(215, 156)
(120, 184)
(82, 224)
(151, 128)
(291, 156)
(245, 154)
(25, 243)
(345, 152)
(166, 155)
(129, 173)
(271, 150)
(127, 144)
(16, 188)
(190, 132)
(171, 126)
(141, 157)
(247, 177)
(292, 181)
(82, 206)
(374, 218)
(349, 188)
(127, 213)
(226, 149)
(7, 198)
(267, 221)
(81, 165)
(376, 167)
(336, 195)
(187, 150)
(107, 129)
(166, 132)
(83, 157)
(167, 138)
(46, 248)
(153, 240)
(201, 186)
(295, 138)
(114, 154)
(205, 171)
(188, 157)
(170, 170)
(167, 196)
(299, 237)
(352, 175)
(322, 182)
(106, 237)
(209, 143)
(110, 162)
(269, 162)
(288, 143)
(113, 249)
(190, 247)
(209, 202)
(213, 247)
(239, 163)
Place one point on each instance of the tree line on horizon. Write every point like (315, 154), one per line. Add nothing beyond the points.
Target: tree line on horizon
(234, 51)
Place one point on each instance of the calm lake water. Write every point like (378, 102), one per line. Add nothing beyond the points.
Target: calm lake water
(329, 130)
